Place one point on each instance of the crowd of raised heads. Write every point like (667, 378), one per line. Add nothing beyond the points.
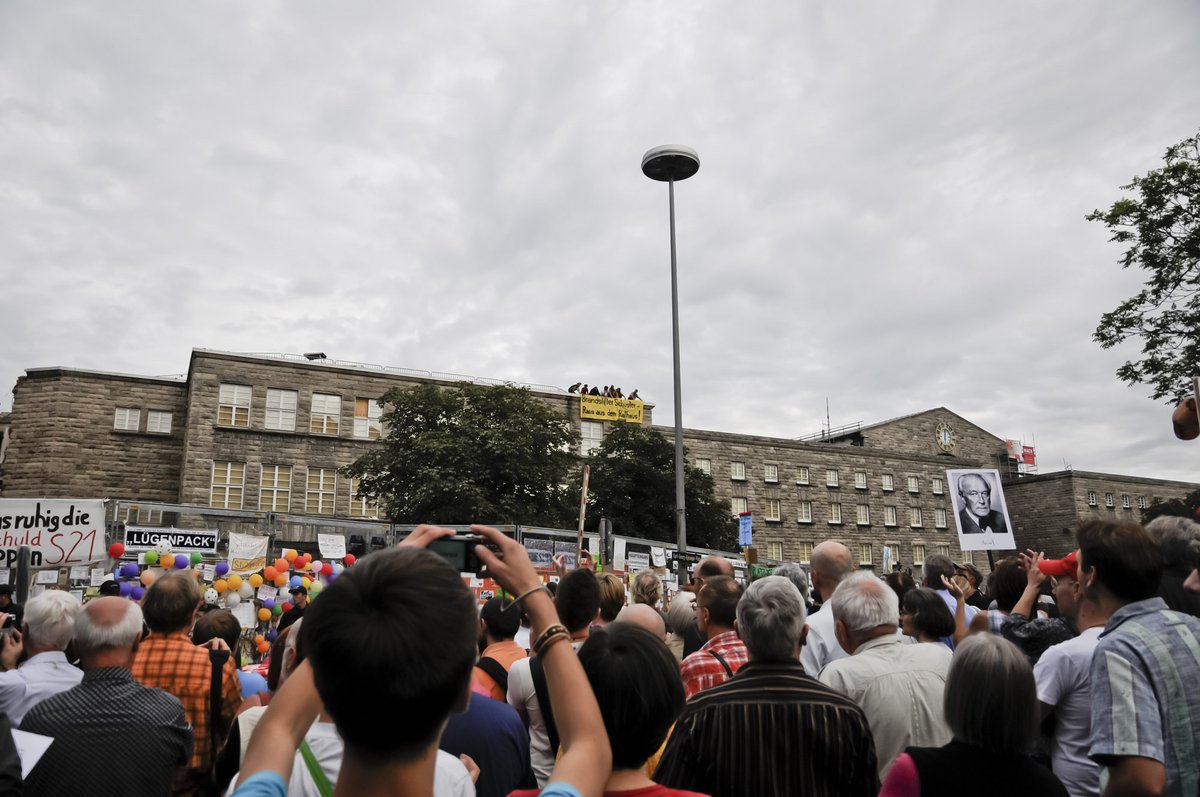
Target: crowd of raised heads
(1074, 676)
(609, 391)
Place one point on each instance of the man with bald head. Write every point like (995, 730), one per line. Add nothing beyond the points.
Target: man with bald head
(646, 616)
(108, 717)
(831, 562)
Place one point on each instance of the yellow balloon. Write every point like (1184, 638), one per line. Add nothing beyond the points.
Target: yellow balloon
(290, 555)
(235, 581)
(166, 561)
(264, 614)
(256, 581)
(220, 585)
(306, 582)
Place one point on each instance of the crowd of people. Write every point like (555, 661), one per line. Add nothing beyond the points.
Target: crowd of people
(608, 391)
(1075, 676)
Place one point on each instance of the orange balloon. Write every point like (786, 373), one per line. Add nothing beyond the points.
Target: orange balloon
(269, 574)
(256, 580)
(234, 581)
(166, 560)
(258, 639)
(290, 555)
(220, 585)
(281, 580)
(147, 577)
(264, 614)
(282, 565)
(264, 646)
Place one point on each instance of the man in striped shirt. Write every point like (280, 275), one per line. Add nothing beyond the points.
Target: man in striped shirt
(771, 729)
(1145, 704)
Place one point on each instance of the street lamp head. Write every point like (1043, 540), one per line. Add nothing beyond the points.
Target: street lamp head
(670, 162)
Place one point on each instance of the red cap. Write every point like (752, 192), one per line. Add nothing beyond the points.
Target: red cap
(1067, 566)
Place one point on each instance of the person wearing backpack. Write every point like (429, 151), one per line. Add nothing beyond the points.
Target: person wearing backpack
(496, 631)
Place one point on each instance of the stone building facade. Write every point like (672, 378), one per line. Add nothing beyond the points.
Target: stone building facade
(269, 434)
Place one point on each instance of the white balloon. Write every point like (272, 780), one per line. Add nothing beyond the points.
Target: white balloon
(232, 599)
(245, 590)
(210, 596)
(163, 547)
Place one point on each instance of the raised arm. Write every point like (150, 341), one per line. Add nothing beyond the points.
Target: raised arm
(1033, 587)
(960, 609)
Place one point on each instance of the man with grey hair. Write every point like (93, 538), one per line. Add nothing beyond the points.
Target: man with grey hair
(899, 686)
(1179, 540)
(798, 576)
(109, 717)
(831, 562)
(49, 626)
(718, 747)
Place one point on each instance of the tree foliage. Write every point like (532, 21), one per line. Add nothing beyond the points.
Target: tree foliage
(1186, 507)
(469, 453)
(1160, 224)
(632, 484)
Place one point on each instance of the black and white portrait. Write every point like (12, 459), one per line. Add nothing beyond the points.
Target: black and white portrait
(979, 510)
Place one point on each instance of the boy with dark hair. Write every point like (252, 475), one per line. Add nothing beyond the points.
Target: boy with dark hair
(388, 700)
(497, 628)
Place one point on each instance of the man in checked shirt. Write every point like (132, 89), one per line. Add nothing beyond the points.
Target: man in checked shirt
(168, 660)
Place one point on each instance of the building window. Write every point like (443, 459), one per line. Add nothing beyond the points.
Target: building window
(228, 481)
(942, 550)
(914, 517)
(918, 553)
(939, 486)
(737, 471)
(1125, 502)
(233, 405)
(889, 483)
(805, 552)
(804, 512)
(136, 516)
(158, 422)
(771, 511)
(914, 484)
(275, 488)
(939, 518)
(775, 551)
(860, 480)
(738, 505)
(831, 477)
(835, 514)
(862, 514)
(801, 475)
(326, 413)
(864, 553)
(1091, 497)
(360, 505)
(281, 410)
(889, 516)
(705, 465)
(127, 419)
(591, 435)
(367, 415)
(1142, 503)
(1108, 499)
(771, 473)
(322, 487)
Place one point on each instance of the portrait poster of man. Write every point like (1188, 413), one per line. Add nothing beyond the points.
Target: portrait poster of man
(979, 510)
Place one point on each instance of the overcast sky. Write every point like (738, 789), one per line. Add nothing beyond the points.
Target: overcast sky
(889, 211)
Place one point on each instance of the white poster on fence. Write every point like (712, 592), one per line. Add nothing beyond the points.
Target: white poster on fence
(332, 546)
(979, 510)
(247, 553)
(58, 532)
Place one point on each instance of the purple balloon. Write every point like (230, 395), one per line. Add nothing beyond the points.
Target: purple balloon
(271, 635)
(181, 561)
(126, 588)
(138, 593)
(268, 603)
(129, 570)
(222, 568)
(331, 576)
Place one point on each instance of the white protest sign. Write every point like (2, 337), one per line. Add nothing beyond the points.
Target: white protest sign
(97, 578)
(247, 553)
(77, 594)
(47, 577)
(5, 575)
(58, 532)
(332, 546)
(244, 612)
(658, 557)
(79, 573)
(267, 592)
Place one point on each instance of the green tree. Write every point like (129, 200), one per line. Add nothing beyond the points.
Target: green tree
(1161, 225)
(469, 453)
(1185, 507)
(632, 484)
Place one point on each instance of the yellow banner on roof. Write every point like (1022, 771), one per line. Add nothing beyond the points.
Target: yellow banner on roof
(603, 408)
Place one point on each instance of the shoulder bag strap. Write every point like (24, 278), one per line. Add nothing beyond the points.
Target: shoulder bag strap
(495, 670)
(543, 696)
(721, 659)
(217, 659)
(324, 787)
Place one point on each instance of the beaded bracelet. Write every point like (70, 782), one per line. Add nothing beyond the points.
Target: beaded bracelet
(551, 633)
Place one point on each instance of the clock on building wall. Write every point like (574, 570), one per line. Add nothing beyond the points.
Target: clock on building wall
(944, 437)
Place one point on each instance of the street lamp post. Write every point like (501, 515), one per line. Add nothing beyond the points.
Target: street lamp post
(668, 164)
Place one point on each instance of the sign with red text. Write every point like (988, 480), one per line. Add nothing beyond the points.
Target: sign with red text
(57, 532)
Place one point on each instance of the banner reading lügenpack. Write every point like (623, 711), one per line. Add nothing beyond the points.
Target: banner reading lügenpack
(139, 538)
(57, 531)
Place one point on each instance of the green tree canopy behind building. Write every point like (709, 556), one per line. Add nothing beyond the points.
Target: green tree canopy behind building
(632, 484)
(470, 453)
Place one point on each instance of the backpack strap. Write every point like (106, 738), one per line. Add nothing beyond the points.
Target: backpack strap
(721, 659)
(324, 787)
(217, 658)
(495, 670)
(543, 696)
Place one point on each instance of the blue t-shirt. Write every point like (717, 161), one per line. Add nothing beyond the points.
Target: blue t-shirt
(272, 784)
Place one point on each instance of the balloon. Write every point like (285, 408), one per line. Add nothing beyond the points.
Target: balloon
(235, 581)
(332, 576)
(210, 596)
(286, 606)
(246, 591)
(163, 547)
(137, 593)
(317, 564)
(278, 610)
(180, 562)
(197, 557)
(290, 555)
(166, 560)
(222, 568)
(264, 646)
(258, 638)
(116, 550)
(283, 565)
(349, 559)
(256, 581)
(232, 599)
(126, 588)
(306, 582)
(268, 603)
(281, 580)
(315, 588)
(221, 585)
(148, 577)
(152, 557)
(327, 569)
(271, 635)
(270, 573)
(264, 614)
(129, 570)
(308, 566)
(295, 582)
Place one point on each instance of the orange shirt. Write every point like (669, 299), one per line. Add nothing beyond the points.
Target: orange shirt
(506, 653)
